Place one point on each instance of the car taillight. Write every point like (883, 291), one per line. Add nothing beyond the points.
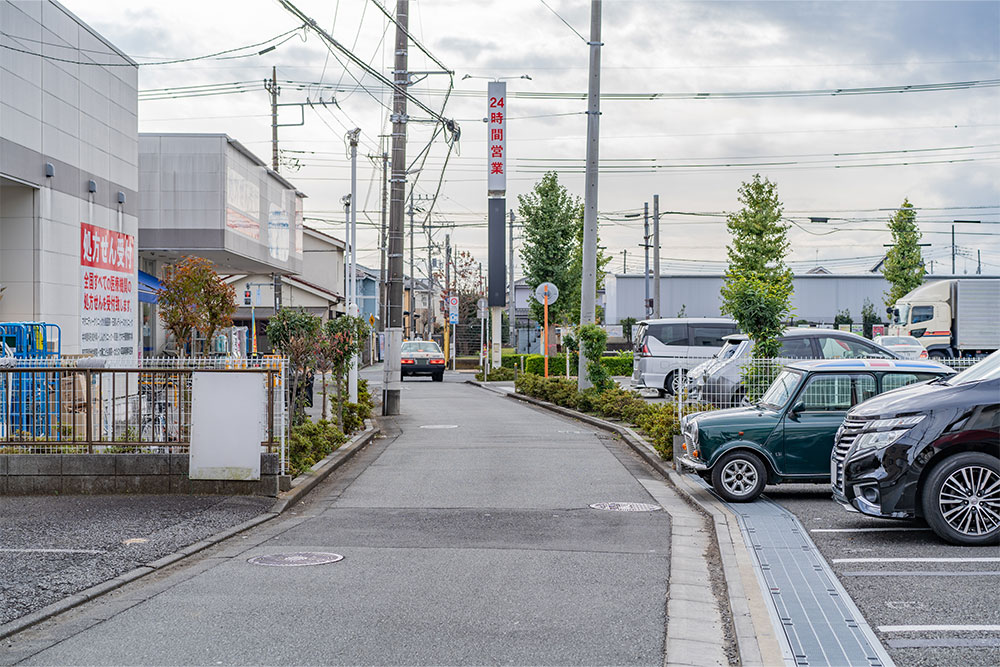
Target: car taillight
(923, 354)
(644, 352)
(438, 362)
(406, 361)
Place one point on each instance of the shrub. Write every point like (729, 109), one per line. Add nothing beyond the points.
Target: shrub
(310, 442)
(614, 401)
(619, 365)
(501, 374)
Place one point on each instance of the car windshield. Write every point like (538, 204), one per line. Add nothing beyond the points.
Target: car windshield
(421, 346)
(898, 340)
(781, 389)
(987, 369)
(728, 349)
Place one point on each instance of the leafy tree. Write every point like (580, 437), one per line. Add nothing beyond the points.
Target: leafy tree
(627, 324)
(683, 311)
(903, 266)
(192, 297)
(293, 333)
(551, 222)
(571, 309)
(343, 339)
(843, 317)
(593, 340)
(869, 316)
(758, 285)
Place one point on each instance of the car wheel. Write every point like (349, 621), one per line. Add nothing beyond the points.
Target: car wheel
(672, 384)
(937, 354)
(439, 377)
(961, 499)
(739, 477)
(401, 376)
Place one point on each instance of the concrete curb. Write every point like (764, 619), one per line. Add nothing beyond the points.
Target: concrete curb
(305, 483)
(755, 635)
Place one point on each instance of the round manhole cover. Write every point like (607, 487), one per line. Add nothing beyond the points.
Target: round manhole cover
(626, 507)
(296, 559)
(439, 426)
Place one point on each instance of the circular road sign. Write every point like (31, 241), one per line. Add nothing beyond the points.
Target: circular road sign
(540, 292)
(453, 301)
(481, 304)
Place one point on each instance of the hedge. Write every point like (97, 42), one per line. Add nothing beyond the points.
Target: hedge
(535, 363)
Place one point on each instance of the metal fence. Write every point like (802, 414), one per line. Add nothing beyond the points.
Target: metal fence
(64, 406)
(722, 383)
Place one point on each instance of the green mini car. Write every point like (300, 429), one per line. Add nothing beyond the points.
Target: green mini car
(788, 435)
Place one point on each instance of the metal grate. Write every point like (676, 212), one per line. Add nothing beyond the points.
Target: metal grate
(626, 507)
(846, 436)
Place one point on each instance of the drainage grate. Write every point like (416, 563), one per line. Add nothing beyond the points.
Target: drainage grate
(296, 559)
(626, 507)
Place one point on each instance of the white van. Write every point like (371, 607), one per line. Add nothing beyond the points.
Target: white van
(665, 346)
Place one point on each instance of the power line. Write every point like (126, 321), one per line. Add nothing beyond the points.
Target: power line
(565, 22)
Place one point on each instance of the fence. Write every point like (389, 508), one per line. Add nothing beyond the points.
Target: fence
(57, 406)
(723, 383)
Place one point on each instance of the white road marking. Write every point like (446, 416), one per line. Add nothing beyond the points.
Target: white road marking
(864, 530)
(939, 628)
(52, 551)
(916, 560)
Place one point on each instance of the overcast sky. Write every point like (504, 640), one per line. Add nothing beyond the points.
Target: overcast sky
(839, 157)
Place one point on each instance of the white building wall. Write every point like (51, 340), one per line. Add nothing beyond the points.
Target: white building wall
(81, 119)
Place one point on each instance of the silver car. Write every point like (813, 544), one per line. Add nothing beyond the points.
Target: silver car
(718, 381)
(906, 347)
(665, 349)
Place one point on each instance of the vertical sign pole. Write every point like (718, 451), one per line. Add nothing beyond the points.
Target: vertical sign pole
(496, 186)
(545, 332)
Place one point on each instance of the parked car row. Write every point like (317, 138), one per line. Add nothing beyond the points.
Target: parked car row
(896, 439)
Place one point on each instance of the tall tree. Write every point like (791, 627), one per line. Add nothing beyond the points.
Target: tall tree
(551, 219)
(758, 285)
(572, 308)
(193, 297)
(903, 266)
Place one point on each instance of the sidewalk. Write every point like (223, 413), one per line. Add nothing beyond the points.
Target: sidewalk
(467, 538)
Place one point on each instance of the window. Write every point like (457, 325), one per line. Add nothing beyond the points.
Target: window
(830, 392)
(708, 335)
(796, 348)
(922, 314)
(892, 381)
(846, 348)
(421, 346)
(777, 394)
(669, 334)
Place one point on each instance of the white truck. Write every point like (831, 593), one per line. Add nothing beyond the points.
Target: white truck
(951, 318)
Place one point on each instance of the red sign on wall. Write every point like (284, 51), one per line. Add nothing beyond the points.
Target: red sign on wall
(108, 292)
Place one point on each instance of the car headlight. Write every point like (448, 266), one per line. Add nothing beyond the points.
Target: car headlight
(881, 433)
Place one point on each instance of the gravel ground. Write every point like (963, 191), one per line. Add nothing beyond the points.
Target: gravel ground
(87, 538)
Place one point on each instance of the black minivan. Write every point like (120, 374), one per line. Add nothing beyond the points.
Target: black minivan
(929, 450)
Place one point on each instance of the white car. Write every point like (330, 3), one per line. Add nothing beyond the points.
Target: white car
(906, 347)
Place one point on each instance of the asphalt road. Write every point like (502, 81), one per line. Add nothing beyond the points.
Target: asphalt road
(467, 539)
(899, 598)
(52, 547)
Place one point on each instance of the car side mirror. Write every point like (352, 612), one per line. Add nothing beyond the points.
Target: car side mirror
(797, 407)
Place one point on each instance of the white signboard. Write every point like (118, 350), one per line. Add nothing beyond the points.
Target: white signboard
(108, 292)
(496, 179)
(225, 444)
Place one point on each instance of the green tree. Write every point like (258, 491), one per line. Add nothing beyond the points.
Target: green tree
(293, 333)
(192, 297)
(343, 339)
(758, 285)
(551, 220)
(903, 267)
(571, 310)
(869, 316)
(843, 317)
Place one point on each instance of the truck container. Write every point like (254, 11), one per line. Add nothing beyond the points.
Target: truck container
(951, 318)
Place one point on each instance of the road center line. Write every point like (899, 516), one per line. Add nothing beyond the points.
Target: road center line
(866, 530)
(939, 628)
(916, 560)
(52, 551)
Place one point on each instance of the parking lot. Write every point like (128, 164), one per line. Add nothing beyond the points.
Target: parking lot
(929, 602)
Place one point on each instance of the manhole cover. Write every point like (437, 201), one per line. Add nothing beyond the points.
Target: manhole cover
(296, 559)
(439, 426)
(626, 507)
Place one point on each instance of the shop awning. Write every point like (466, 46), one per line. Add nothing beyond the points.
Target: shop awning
(148, 284)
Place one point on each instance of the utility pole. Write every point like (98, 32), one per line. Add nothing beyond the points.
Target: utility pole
(624, 261)
(391, 379)
(447, 295)
(979, 262)
(382, 245)
(413, 279)
(588, 289)
(431, 310)
(272, 87)
(645, 244)
(352, 294)
(511, 321)
(656, 256)
(953, 250)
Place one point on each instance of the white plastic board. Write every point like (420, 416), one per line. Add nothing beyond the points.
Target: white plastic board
(228, 423)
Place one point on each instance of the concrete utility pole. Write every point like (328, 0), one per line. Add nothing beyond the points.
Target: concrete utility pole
(588, 290)
(431, 310)
(352, 294)
(645, 245)
(656, 256)
(391, 379)
(382, 317)
(413, 278)
(511, 322)
(447, 294)
(272, 87)
(953, 250)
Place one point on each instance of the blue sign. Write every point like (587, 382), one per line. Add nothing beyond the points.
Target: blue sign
(453, 318)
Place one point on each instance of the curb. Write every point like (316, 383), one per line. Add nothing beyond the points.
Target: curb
(755, 638)
(305, 483)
